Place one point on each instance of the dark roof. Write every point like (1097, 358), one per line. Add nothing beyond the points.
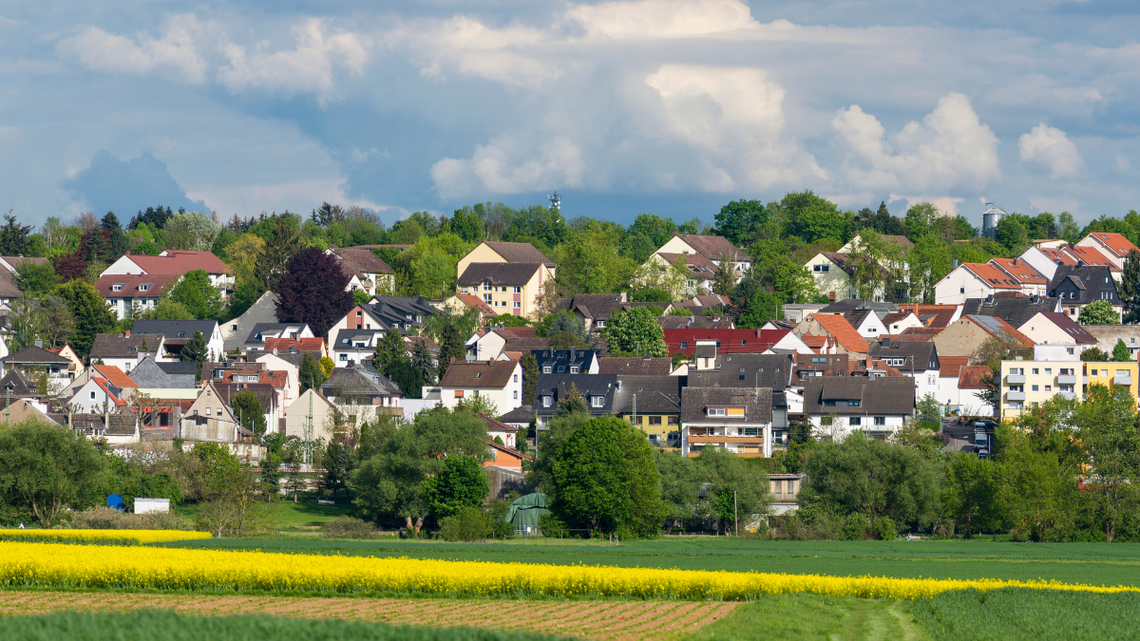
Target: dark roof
(8, 286)
(147, 373)
(1015, 310)
(361, 262)
(560, 360)
(498, 273)
(521, 414)
(120, 346)
(492, 374)
(117, 424)
(1086, 279)
(1066, 324)
(178, 368)
(264, 392)
(358, 380)
(557, 386)
(646, 366)
(19, 383)
(713, 247)
(757, 404)
(696, 322)
(877, 396)
(400, 311)
(592, 306)
(852, 304)
(261, 331)
(826, 364)
(34, 355)
(858, 316)
(655, 394)
(174, 329)
(925, 354)
(773, 371)
(519, 252)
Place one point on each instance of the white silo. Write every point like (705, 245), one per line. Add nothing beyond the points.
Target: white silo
(990, 219)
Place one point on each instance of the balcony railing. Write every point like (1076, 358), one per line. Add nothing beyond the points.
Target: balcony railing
(1067, 379)
(1122, 379)
(1015, 396)
(1015, 379)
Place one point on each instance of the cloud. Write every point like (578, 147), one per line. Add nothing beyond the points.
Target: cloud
(110, 184)
(248, 199)
(1050, 148)
(173, 52)
(950, 149)
(946, 205)
(662, 18)
(310, 67)
(468, 47)
(491, 169)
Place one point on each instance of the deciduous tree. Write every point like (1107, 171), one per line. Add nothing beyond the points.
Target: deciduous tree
(1098, 312)
(91, 313)
(46, 468)
(313, 291)
(635, 333)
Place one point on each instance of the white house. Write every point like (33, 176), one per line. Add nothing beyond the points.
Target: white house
(1115, 247)
(175, 263)
(1055, 328)
(973, 280)
(176, 333)
(835, 406)
(95, 395)
(500, 382)
(867, 323)
(210, 419)
(737, 419)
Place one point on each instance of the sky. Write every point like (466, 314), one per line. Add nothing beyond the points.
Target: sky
(664, 106)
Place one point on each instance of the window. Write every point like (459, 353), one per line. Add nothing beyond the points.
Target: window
(516, 378)
(1048, 388)
(458, 393)
(487, 298)
(117, 287)
(684, 344)
(961, 290)
(880, 421)
(1068, 350)
(601, 324)
(93, 395)
(1122, 372)
(561, 368)
(674, 420)
(716, 411)
(573, 369)
(1066, 371)
(518, 305)
(219, 411)
(1035, 371)
(195, 412)
(546, 369)
(546, 401)
(1048, 371)
(516, 394)
(1104, 372)
(478, 374)
(855, 421)
(1015, 405)
(599, 401)
(344, 357)
(751, 431)
(1034, 388)
(654, 420)
(518, 290)
(1066, 388)
(1017, 388)
(207, 411)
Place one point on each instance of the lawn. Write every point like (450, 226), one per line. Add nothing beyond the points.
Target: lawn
(1091, 563)
(304, 517)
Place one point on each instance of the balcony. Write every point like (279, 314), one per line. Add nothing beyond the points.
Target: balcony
(1015, 379)
(1015, 396)
(1067, 379)
(1072, 396)
(1122, 379)
(697, 439)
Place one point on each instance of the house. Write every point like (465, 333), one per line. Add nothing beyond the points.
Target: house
(673, 321)
(268, 398)
(713, 248)
(738, 420)
(1079, 286)
(741, 370)
(211, 420)
(1046, 259)
(490, 251)
(150, 376)
(653, 405)
(262, 332)
(16, 384)
(35, 361)
(1025, 384)
(596, 391)
(566, 361)
(964, 337)
(508, 288)
(520, 418)
(311, 417)
(1033, 282)
(315, 347)
(1012, 308)
(1112, 375)
(382, 312)
(496, 428)
(119, 430)
(235, 331)
(361, 385)
(366, 271)
(972, 386)
(9, 290)
(847, 340)
(658, 270)
(504, 459)
(115, 377)
(460, 303)
(900, 321)
(784, 487)
(1115, 247)
(17, 410)
(1055, 328)
(973, 280)
(835, 406)
(807, 365)
(499, 381)
(867, 323)
(130, 295)
(635, 366)
(833, 274)
(96, 396)
(175, 263)
(124, 350)
(919, 360)
(939, 316)
(355, 345)
(594, 310)
(735, 341)
(493, 343)
(177, 333)
(949, 370)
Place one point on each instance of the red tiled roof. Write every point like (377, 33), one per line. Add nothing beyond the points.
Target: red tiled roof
(732, 341)
(1091, 256)
(993, 277)
(129, 285)
(301, 344)
(713, 247)
(472, 300)
(970, 376)
(1115, 243)
(1058, 256)
(952, 365)
(275, 378)
(1020, 270)
(843, 332)
(111, 395)
(177, 262)
(115, 376)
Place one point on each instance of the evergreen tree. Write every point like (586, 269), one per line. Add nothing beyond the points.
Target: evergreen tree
(450, 347)
(530, 378)
(14, 240)
(313, 290)
(91, 314)
(423, 361)
(116, 239)
(247, 407)
(271, 476)
(283, 243)
(1130, 287)
(724, 281)
(389, 349)
(310, 374)
(194, 351)
(1120, 352)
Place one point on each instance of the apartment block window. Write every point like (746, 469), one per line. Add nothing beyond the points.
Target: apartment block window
(599, 401)
(855, 421)
(518, 304)
(1048, 371)
(1035, 371)
(516, 394)
(1048, 388)
(880, 421)
(1104, 372)
(1017, 388)
(1066, 388)
(1034, 388)
(1015, 405)
(684, 344)
(518, 290)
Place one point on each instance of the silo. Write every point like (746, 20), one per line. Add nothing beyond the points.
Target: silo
(990, 219)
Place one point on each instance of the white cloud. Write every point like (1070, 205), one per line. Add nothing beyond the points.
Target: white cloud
(1050, 148)
(309, 67)
(950, 149)
(173, 52)
(248, 199)
(946, 205)
(469, 47)
(491, 169)
(663, 18)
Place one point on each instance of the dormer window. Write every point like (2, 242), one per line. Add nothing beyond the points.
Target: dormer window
(181, 334)
(573, 369)
(478, 374)
(599, 401)
(716, 411)
(143, 287)
(547, 401)
(546, 369)
(117, 287)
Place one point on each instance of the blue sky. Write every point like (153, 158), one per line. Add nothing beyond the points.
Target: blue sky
(670, 107)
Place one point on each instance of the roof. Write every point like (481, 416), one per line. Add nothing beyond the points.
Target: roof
(757, 404)
(178, 368)
(951, 365)
(849, 304)
(34, 355)
(1091, 256)
(646, 366)
(843, 332)
(592, 306)
(178, 262)
(970, 376)
(489, 374)
(857, 317)
(652, 394)
(841, 261)
(711, 300)
(115, 376)
(999, 329)
(1118, 244)
(918, 334)
(558, 386)
(519, 252)
(876, 395)
(495, 425)
(472, 300)
(1021, 270)
(698, 266)
(498, 273)
(832, 365)
(300, 345)
(174, 329)
(924, 352)
(358, 381)
(731, 341)
(746, 370)
(360, 262)
(993, 277)
(901, 241)
(1086, 279)
(107, 389)
(696, 322)
(1015, 310)
(399, 311)
(521, 414)
(134, 286)
(561, 359)
(121, 346)
(1058, 256)
(15, 383)
(713, 247)
(1066, 324)
(8, 286)
(115, 425)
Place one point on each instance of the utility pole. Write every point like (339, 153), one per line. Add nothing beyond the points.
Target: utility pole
(735, 513)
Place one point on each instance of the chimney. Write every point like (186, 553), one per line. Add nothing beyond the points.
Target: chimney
(886, 341)
(127, 333)
(573, 352)
(39, 343)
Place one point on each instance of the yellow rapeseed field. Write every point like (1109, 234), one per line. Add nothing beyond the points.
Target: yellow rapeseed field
(97, 536)
(64, 566)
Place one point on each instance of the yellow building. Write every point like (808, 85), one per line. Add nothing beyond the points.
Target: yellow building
(1112, 374)
(653, 404)
(1029, 384)
(508, 277)
(500, 252)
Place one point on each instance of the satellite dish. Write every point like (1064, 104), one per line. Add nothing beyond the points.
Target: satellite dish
(115, 501)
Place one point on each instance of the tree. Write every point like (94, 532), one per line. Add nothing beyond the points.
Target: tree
(338, 463)
(724, 281)
(424, 362)
(270, 480)
(194, 351)
(195, 292)
(282, 241)
(167, 309)
(462, 482)
(530, 378)
(738, 221)
(116, 239)
(91, 313)
(1098, 312)
(1106, 424)
(969, 496)
(405, 375)
(1095, 355)
(247, 407)
(1120, 352)
(450, 348)
(732, 489)
(46, 468)
(1130, 287)
(58, 321)
(309, 373)
(389, 349)
(35, 278)
(194, 231)
(604, 478)
(14, 239)
(573, 403)
(635, 333)
(313, 290)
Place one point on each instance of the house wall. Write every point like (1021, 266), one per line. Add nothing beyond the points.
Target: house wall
(1042, 331)
(1028, 384)
(829, 277)
(297, 414)
(505, 399)
(961, 338)
(488, 347)
(909, 321)
(121, 307)
(1039, 261)
(1090, 241)
(1112, 374)
(677, 245)
(841, 426)
(959, 285)
(1107, 335)
(83, 402)
(663, 430)
(745, 439)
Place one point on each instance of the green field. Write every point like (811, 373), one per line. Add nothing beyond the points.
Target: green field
(1091, 563)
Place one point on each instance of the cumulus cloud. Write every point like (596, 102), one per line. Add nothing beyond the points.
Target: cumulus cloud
(1050, 148)
(310, 67)
(175, 52)
(468, 47)
(663, 18)
(951, 148)
(494, 168)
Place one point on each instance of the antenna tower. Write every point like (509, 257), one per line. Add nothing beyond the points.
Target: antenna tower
(555, 201)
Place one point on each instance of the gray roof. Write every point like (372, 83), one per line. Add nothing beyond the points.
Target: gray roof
(15, 383)
(642, 366)
(35, 355)
(519, 252)
(120, 346)
(261, 331)
(852, 304)
(880, 396)
(147, 373)
(757, 404)
(175, 328)
(236, 330)
(563, 358)
(557, 386)
(116, 424)
(521, 414)
(358, 381)
(924, 352)
(175, 368)
(400, 312)
(1089, 280)
(655, 394)
(773, 371)
(592, 306)
(498, 273)
(1015, 310)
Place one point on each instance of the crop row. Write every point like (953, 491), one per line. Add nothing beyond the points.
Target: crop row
(136, 537)
(69, 566)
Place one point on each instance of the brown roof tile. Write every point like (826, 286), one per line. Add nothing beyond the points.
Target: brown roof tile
(493, 374)
(519, 252)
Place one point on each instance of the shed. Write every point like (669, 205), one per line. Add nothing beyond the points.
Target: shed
(525, 511)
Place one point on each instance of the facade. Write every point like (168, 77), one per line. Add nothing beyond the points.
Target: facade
(382, 312)
(1055, 328)
(1107, 336)
(738, 420)
(1115, 247)
(261, 333)
(177, 333)
(1025, 385)
(597, 392)
(1046, 259)
(566, 361)
(234, 332)
(500, 382)
(97, 396)
(175, 263)
(310, 412)
(130, 294)
(209, 419)
(835, 406)
(867, 323)
(653, 405)
(967, 334)
(973, 280)
(1079, 286)
(919, 360)
(502, 252)
(832, 274)
(713, 248)
(366, 271)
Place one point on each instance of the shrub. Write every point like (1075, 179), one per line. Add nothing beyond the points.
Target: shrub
(467, 525)
(347, 527)
(855, 527)
(885, 529)
(500, 527)
(108, 518)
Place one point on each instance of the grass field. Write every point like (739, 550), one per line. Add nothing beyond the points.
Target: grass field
(1091, 563)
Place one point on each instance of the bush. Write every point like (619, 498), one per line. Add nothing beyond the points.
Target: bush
(885, 529)
(467, 525)
(500, 527)
(855, 527)
(108, 518)
(347, 527)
